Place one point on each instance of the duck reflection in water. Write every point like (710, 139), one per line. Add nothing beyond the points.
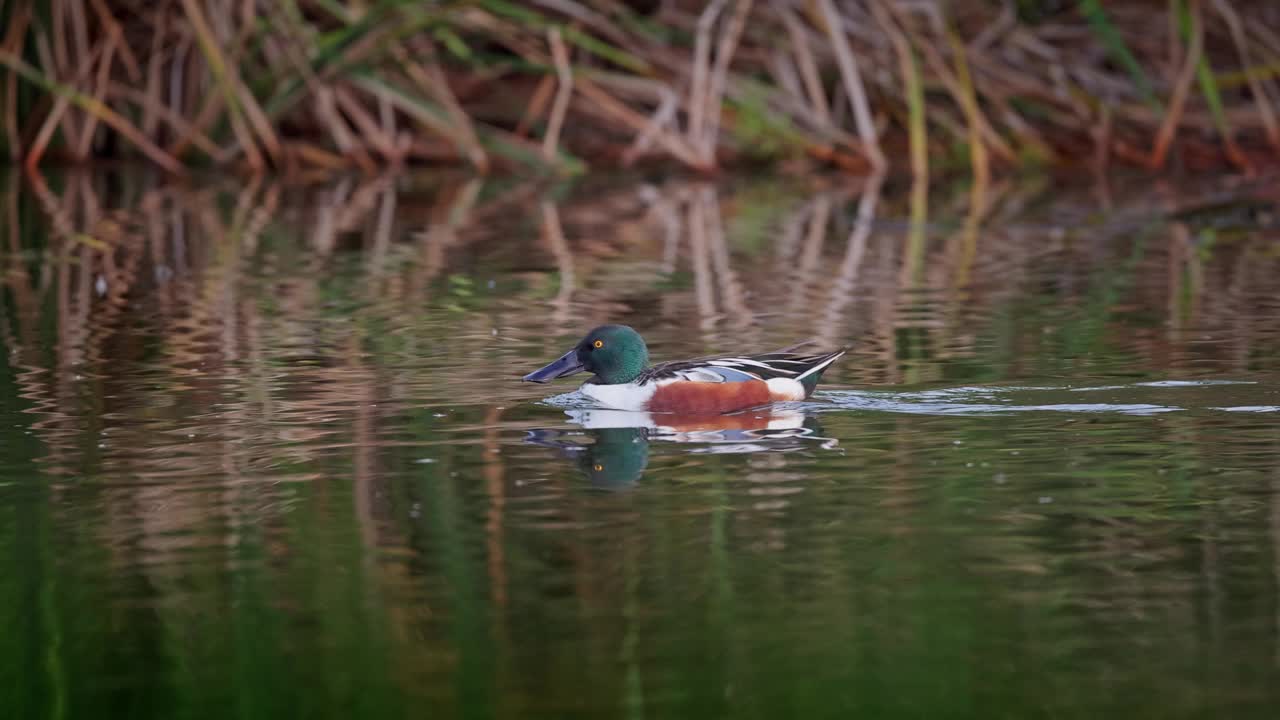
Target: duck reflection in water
(619, 452)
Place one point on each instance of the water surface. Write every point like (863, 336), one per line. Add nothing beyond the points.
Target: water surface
(264, 452)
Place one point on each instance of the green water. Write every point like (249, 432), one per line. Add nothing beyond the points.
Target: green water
(264, 453)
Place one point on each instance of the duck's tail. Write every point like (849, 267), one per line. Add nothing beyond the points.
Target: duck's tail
(813, 373)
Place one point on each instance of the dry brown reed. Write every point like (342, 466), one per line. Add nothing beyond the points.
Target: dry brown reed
(324, 84)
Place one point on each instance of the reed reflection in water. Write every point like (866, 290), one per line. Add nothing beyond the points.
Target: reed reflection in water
(265, 451)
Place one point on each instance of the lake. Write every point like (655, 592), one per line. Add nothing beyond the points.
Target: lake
(265, 452)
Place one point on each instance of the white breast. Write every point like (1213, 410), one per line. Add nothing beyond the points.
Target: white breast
(621, 397)
(785, 389)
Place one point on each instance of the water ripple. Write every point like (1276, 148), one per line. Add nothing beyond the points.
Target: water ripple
(1022, 399)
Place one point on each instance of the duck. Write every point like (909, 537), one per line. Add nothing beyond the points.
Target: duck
(622, 379)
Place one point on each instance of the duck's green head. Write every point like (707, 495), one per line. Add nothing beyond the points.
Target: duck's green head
(615, 354)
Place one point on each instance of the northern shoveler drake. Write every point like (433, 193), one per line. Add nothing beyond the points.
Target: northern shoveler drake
(618, 358)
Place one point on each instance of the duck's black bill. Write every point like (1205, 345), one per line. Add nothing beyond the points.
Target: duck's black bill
(565, 366)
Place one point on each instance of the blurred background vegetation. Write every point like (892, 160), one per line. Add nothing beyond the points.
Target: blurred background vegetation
(562, 85)
(265, 450)
(265, 453)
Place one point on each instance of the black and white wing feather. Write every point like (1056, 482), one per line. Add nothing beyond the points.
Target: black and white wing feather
(733, 368)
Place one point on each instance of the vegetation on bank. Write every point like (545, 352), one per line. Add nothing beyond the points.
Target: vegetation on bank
(857, 84)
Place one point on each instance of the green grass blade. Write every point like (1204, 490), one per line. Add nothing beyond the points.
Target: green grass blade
(1204, 75)
(425, 111)
(1118, 49)
(1212, 96)
(572, 35)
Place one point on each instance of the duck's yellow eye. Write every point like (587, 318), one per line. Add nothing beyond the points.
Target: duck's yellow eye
(598, 468)
(598, 343)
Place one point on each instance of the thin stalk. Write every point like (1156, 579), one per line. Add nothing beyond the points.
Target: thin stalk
(715, 93)
(853, 83)
(1118, 49)
(537, 105)
(564, 93)
(432, 80)
(663, 117)
(85, 145)
(127, 57)
(963, 92)
(153, 106)
(35, 151)
(95, 108)
(1213, 99)
(639, 123)
(41, 141)
(365, 123)
(350, 146)
(978, 159)
(1181, 90)
(13, 42)
(1256, 88)
(430, 115)
(1190, 20)
(917, 130)
(47, 58)
(813, 86)
(225, 78)
(57, 59)
(701, 68)
(155, 65)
